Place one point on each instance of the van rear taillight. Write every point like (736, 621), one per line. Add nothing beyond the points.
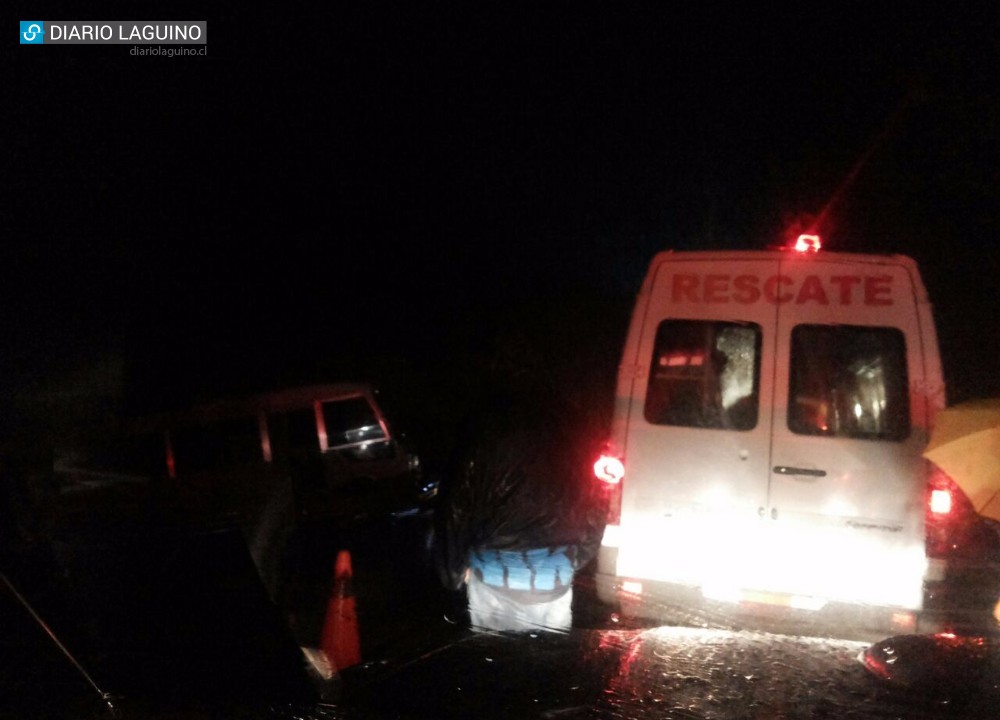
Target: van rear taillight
(949, 515)
(609, 469)
(940, 502)
(945, 498)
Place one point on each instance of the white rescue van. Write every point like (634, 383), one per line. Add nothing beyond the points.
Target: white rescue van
(770, 414)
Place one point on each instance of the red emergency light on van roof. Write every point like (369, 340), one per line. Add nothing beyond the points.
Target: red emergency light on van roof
(807, 243)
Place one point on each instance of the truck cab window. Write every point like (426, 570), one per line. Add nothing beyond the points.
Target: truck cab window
(350, 421)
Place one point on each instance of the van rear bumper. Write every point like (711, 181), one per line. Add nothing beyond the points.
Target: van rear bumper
(949, 606)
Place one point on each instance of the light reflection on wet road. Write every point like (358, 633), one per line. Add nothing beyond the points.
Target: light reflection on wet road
(668, 672)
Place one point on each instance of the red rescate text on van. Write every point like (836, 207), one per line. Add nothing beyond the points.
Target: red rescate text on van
(781, 289)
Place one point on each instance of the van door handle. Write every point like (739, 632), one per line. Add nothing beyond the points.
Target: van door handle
(786, 470)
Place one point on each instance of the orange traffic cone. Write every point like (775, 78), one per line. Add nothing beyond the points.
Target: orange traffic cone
(340, 639)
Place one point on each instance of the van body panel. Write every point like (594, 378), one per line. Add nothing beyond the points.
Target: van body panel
(863, 519)
(680, 477)
(818, 491)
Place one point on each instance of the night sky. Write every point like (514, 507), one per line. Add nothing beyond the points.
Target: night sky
(397, 192)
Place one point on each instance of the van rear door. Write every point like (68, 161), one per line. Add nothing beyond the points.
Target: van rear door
(699, 424)
(845, 499)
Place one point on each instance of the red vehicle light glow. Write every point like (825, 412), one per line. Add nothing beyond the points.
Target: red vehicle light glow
(807, 243)
(950, 516)
(609, 469)
(940, 502)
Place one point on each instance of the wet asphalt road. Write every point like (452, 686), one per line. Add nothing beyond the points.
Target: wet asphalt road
(421, 660)
(666, 672)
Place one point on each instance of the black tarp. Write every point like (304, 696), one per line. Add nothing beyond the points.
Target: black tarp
(520, 479)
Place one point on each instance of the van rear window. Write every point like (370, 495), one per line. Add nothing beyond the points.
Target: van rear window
(704, 374)
(849, 381)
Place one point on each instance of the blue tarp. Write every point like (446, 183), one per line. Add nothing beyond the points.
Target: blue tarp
(547, 570)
